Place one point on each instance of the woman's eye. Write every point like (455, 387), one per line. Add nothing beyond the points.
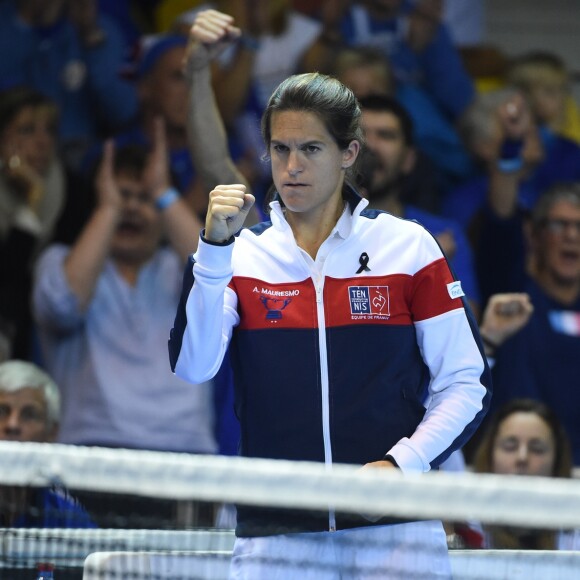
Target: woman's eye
(508, 444)
(538, 448)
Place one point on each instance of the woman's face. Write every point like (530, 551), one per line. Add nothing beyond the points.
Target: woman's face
(307, 165)
(31, 135)
(524, 445)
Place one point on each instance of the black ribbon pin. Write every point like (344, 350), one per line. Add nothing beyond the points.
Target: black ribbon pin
(363, 261)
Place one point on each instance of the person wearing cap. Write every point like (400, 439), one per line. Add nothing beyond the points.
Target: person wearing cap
(163, 92)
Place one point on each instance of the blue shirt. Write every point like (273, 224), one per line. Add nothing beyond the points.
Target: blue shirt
(462, 262)
(54, 508)
(541, 361)
(438, 68)
(110, 361)
(561, 163)
(84, 83)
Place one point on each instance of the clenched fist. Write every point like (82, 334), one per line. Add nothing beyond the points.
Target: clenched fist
(228, 207)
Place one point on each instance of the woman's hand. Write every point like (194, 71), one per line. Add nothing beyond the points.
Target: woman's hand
(228, 207)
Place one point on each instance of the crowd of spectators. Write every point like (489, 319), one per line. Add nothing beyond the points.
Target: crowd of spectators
(108, 152)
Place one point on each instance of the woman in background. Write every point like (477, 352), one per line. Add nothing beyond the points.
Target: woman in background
(525, 437)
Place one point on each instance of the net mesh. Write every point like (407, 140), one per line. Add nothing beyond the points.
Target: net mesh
(154, 515)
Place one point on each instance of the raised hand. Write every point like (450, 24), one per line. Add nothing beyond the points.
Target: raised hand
(210, 34)
(228, 207)
(517, 124)
(504, 315)
(156, 172)
(108, 194)
(514, 117)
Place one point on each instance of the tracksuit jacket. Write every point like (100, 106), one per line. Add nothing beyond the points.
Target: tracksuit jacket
(378, 355)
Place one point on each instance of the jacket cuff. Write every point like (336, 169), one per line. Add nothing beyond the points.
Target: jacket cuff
(408, 460)
(214, 259)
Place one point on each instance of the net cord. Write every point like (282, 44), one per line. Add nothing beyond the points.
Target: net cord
(525, 501)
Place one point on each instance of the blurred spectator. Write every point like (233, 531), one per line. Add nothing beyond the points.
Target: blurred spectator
(163, 92)
(133, 18)
(413, 37)
(29, 411)
(505, 314)
(504, 138)
(525, 437)
(39, 200)
(69, 52)
(544, 80)
(541, 363)
(29, 403)
(209, 150)
(388, 166)
(465, 21)
(104, 305)
(276, 41)
(367, 71)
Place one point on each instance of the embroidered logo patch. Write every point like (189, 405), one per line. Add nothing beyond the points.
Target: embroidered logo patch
(369, 301)
(274, 306)
(274, 301)
(455, 290)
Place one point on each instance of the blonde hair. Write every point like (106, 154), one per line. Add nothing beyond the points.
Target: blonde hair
(537, 68)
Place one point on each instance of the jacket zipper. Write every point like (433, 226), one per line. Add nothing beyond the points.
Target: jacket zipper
(319, 286)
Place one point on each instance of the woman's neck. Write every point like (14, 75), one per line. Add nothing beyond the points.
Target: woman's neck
(311, 230)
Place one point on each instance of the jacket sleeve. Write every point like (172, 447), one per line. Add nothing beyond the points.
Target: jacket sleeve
(459, 390)
(206, 315)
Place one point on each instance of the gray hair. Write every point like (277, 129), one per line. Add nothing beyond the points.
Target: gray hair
(19, 374)
(559, 192)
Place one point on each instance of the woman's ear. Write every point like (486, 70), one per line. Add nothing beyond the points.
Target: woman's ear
(350, 154)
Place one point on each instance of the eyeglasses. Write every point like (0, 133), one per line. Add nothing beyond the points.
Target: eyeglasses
(559, 226)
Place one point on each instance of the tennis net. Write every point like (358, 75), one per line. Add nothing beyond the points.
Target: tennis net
(185, 543)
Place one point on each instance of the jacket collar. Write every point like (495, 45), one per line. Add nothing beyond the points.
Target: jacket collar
(355, 203)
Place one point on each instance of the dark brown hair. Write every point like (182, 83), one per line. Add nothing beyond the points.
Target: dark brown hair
(502, 537)
(334, 104)
(17, 98)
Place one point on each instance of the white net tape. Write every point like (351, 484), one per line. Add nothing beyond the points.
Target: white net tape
(189, 554)
(522, 501)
